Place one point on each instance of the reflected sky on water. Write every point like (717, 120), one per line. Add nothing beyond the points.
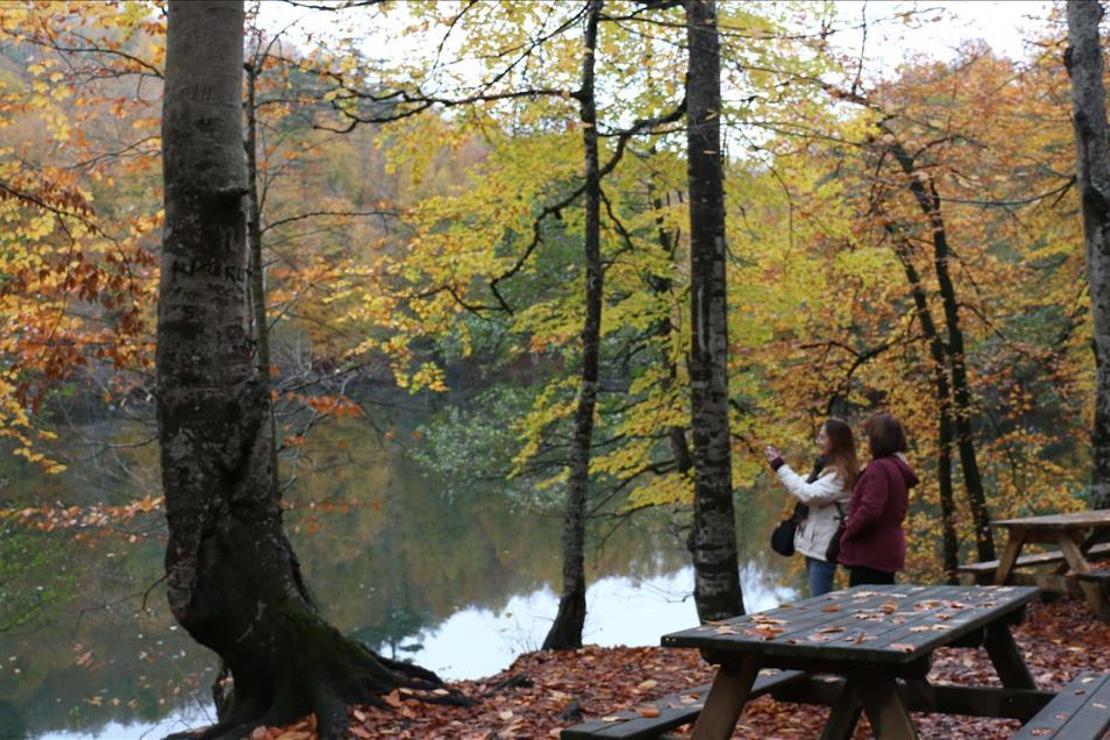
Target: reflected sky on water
(460, 584)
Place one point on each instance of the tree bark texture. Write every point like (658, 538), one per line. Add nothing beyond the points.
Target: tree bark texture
(951, 543)
(566, 631)
(1083, 60)
(232, 577)
(928, 201)
(713, 539)
(664, 329)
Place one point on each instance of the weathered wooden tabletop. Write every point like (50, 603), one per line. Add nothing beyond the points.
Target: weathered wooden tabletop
(887, 625)
(1073, 520)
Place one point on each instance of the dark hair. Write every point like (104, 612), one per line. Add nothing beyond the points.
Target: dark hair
(842, 455)
(885, 435)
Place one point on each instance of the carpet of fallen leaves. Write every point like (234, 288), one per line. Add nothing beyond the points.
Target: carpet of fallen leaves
(542, 692)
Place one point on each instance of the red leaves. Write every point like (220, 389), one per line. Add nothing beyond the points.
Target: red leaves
(603, 682)
(47, 518)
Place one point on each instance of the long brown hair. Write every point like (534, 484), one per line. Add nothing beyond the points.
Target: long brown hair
(842, 455)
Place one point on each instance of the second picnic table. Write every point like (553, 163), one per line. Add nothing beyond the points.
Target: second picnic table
(869, 648)
(1069, 532)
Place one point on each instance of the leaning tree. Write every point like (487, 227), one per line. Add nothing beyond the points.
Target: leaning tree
(233, 579)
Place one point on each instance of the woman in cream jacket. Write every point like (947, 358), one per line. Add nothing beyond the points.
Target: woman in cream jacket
(826, 497)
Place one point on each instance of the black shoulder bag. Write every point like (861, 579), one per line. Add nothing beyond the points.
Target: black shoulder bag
(782, 538)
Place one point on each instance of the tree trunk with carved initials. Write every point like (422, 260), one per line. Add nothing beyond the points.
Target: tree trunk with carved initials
(233, 580)
(1084, 63)
(713, 538)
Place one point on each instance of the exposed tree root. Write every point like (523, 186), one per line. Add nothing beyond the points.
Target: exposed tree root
(285, 660)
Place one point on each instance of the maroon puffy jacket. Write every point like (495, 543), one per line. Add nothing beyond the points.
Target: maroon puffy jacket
(873, 535)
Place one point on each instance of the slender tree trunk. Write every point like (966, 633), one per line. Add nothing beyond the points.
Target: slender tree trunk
(951, 543)
(232, 577)
(256, 270)
(961, 392)
(713, 539)
(928, 201)
(1092, 150)
(662, 285)
(566, 632)
(254, 231)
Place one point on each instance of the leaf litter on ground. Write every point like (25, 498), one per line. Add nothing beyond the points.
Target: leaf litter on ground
(1059, 640)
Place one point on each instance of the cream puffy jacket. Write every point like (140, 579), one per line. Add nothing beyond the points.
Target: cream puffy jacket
(821, 496)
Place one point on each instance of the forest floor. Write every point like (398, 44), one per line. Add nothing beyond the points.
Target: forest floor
(543, 692)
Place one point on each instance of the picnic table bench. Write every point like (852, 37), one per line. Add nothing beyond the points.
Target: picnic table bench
(866, 649)
(1070, 533)
(1080, 710)
(875, 645)
(983, 573)
(669, 712)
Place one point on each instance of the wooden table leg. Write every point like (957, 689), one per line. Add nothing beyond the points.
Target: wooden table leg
(1079, 564)
(1006, 657)
(1009, 556)
(845, 714)
(890, 719)
(726, 699)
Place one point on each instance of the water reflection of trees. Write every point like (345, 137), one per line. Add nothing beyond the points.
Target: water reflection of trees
(390, 553)
(403, 556)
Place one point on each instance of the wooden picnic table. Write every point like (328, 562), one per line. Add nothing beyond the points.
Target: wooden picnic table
(869, 648)
(1070, 533)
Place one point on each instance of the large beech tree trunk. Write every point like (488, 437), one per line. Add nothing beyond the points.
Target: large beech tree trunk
(928, 201)
(566, 631)
(233, 579)
(1092, 151)
(713, 539)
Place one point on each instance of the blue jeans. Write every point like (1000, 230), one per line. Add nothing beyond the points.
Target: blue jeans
(821, 576)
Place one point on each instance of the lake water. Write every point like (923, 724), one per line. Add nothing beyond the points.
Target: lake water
(459, 582)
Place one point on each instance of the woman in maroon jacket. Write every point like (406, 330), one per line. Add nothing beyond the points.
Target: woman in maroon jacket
(873, 546)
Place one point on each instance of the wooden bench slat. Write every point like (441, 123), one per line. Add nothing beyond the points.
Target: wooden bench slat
(673, 711)
(1102, 576)
(1079, 700)
(1093, 718)
(1040, 558)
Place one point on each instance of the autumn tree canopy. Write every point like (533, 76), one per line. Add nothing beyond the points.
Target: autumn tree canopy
(611, 248)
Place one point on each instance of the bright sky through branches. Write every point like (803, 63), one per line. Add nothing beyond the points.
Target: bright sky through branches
(940, 28)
